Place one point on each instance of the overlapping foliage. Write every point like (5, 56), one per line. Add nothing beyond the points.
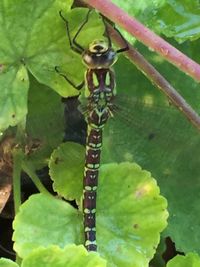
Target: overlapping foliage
(146, 130)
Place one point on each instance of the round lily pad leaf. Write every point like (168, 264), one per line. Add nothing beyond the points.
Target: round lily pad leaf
(44, 220)
(70, 256)
(190, 260)
(66, 170)
(7, 263)
(131, 213)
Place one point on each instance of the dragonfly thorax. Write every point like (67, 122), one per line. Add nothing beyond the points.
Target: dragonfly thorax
(99, 55)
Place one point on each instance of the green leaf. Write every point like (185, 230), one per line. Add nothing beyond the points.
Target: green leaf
(44, 122)
(190, 260)
(66, 170)
(130, 215)
(43, 221)
(70, 256)
(173, 18)
(7, 263)
(179, 19)
(13, 97)
(15, 53)
(145, 213)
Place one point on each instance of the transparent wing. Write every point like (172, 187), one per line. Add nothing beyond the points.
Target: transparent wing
(141, 131)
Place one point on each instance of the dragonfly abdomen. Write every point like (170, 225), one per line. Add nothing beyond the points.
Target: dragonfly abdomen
(90, 181)
(99, 93)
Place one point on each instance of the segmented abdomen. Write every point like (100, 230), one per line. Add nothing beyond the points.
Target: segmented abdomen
(99, 93)
(92, 162)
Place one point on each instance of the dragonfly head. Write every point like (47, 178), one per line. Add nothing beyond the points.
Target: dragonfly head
(99, 55)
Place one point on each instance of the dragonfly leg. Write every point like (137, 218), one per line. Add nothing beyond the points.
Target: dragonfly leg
(78, 87)
(72, 41)
(106, 20)
(126, 46)
(79, 30)
(106, 31)
(76, 48)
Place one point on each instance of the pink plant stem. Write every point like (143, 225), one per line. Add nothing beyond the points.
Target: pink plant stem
(147, 37)
(156, 78)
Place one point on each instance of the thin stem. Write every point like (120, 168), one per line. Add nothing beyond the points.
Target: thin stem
(17, 167)
(147, 37)
(157, 79)
(17, 162)
(29, 169)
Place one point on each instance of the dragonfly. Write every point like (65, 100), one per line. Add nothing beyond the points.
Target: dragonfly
(99, 94)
